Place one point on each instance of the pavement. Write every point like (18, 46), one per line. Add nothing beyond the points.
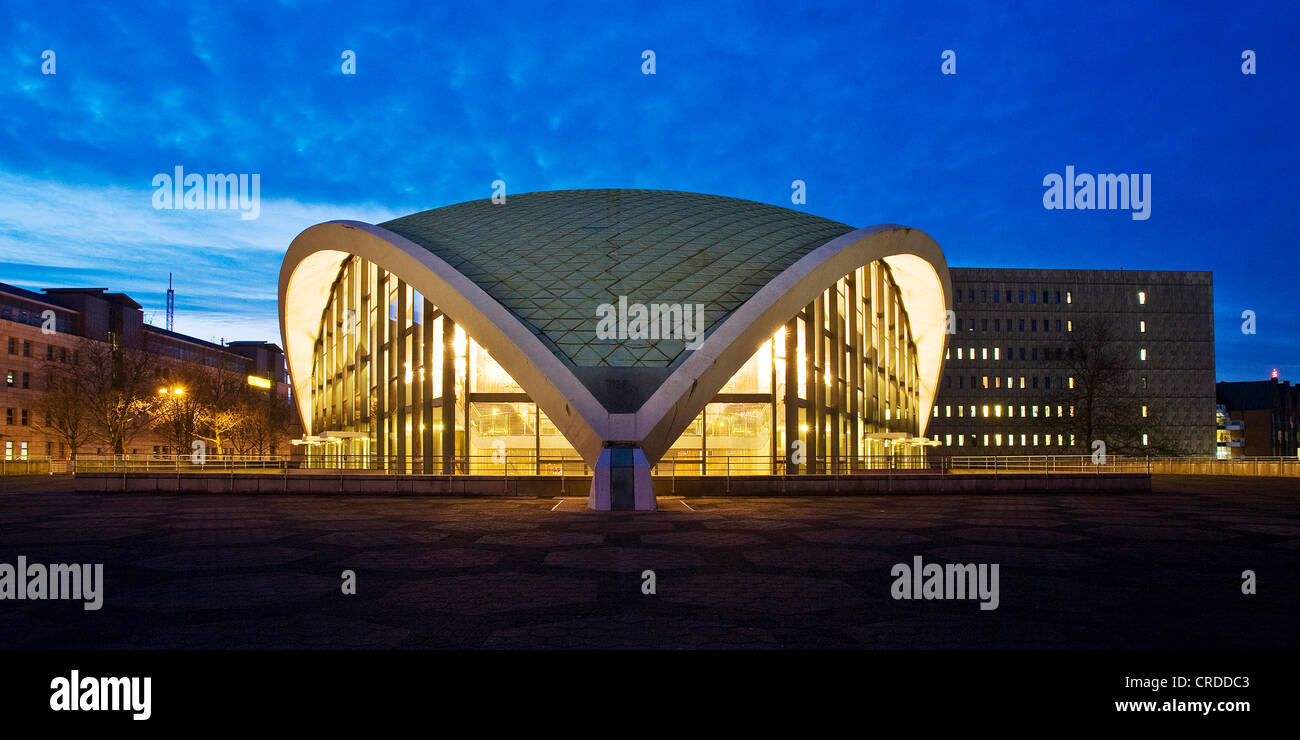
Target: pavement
(1144, 571)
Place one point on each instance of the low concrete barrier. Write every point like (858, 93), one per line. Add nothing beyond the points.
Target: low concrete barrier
(551, 486)
(1249, 467)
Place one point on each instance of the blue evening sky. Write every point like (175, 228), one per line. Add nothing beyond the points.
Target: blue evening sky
(747, 97)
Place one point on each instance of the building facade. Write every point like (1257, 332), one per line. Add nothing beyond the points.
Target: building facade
(1047, 361)
(53, 329)
(469, 339)
(1261, 418)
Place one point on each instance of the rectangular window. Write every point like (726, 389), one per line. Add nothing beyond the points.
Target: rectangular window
(1142, 353)
(1144, 412)
(1144, 440)
(1068, 297)
(1142, 297)
(1142, 326)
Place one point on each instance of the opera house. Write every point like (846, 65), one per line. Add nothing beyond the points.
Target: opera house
(468, 339)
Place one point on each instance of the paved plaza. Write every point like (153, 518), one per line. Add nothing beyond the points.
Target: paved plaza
(1154, 571)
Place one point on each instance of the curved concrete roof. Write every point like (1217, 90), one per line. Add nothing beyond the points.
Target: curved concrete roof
(649, 404)
(550, 258)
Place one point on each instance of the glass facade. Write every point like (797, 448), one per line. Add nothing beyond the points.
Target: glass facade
(396, 384)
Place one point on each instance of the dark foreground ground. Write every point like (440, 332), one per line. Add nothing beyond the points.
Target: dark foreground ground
(1150, 571)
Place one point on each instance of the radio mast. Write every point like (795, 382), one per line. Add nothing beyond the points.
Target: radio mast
(171, 304)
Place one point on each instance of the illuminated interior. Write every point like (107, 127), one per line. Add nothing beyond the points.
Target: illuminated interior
(860, 410)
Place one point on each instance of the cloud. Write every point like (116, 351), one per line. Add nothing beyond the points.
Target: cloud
(225, 269)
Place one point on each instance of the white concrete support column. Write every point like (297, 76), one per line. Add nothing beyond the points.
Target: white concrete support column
(618, 469)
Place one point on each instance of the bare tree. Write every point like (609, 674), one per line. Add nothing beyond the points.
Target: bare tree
(221, 394)
(1102, 389)
(61, 410)
(176, 414)
(216, 424)
(263, 426)
(117, 385)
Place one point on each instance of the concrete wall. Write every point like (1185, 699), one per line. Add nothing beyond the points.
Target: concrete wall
(1285, 468)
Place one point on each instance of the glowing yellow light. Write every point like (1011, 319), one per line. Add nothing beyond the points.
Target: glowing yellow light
(459, 341)
(258, 382)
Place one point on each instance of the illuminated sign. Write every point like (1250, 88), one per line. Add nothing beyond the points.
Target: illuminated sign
(257, 382)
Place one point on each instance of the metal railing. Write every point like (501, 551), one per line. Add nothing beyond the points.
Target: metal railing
(675, 465)
(25, 466)
(177, 463)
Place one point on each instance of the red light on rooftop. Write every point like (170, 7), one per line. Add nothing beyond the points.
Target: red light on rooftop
(1274, 373)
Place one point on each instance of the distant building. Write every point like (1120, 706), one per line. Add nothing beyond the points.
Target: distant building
(1010, 378)
(1269, 410)
(1230, 434)
(51, 327)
